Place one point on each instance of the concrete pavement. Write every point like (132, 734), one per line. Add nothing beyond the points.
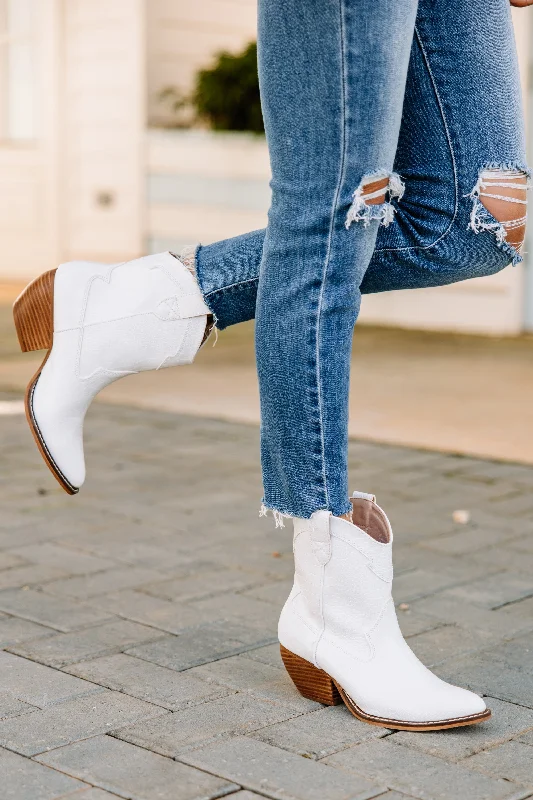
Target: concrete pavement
(138, 622)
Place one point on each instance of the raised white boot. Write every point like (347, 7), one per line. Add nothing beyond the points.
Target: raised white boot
(100, 322)
(339, 635)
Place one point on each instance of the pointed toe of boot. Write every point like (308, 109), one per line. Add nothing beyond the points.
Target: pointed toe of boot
(58, 431)
(463, 704)
(62, 448)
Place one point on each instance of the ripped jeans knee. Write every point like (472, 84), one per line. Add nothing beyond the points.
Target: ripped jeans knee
(500, 207)
(372, 199)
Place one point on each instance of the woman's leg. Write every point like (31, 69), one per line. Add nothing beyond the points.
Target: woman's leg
(327, 137)
(462, 111)
(332, 75)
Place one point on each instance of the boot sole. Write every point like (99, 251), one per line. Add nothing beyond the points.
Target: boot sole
(33, 313)
(317, 685)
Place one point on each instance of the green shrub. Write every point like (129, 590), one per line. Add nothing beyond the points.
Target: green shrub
(226, 95)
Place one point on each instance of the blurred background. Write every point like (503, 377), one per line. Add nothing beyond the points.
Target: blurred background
(124, 131)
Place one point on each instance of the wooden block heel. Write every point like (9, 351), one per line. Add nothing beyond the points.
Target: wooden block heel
(310, 681)
(33, 312)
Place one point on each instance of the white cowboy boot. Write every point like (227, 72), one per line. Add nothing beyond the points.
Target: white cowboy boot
(100, 322)
(339, 635)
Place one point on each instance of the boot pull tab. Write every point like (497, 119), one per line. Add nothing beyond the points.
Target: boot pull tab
(364, 496)
(321, 536)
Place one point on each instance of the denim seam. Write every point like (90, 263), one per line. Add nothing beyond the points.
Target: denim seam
(231, 286)
(199, 280)
(325, 268)
(452, 155)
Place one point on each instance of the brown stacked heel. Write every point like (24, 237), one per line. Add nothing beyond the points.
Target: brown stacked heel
(311, 682)
(33, 313)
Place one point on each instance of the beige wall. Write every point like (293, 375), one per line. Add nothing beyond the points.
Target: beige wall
(183, 35)
(101, 130)
(205, 186)
(29, 230)
(89, 145)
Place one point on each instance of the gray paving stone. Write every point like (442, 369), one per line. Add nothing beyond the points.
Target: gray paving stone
(93, 794)
(394, 796)
(522, 544)
(503, 557)
(421, 775)
(63, 558)
(66, 648)
(512, 503)
(261, 680)
(320, 733)
(134, 773)
(56, 612)
(147, 681)
(502, 671)
(270, 654)
(228, 606)
(29, 575)
(130, 515)
(417, 583)
(508, 721)
(493, 472)
(413, 622)
(14, 630)
(11, 707)
(453, 569)
(127, 550)
(209, 643)
(502, 623)
(438, 644)
(201, 584)
(512, 761)
(246, 795)
(86, 586)
(72, 720)
(189, 728)
(38, 685)
(106, 541)
(493, 591)
(17, 528)
(23, 779)
(43, 525)
(9, 559)
(518, 616)
(271, 556)
(411, 523)
(153, 611)
(468, 540)
(275, 592)
(278, 774)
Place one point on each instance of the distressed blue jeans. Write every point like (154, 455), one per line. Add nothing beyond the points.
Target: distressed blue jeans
(420, 97)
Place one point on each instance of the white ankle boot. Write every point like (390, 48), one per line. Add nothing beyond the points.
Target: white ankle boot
(339, 635)
(100, 322)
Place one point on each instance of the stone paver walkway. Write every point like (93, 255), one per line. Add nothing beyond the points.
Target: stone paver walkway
(138, 623)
